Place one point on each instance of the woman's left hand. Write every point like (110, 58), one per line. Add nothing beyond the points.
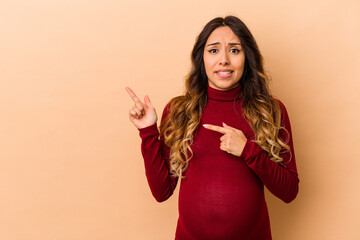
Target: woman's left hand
(233, 141)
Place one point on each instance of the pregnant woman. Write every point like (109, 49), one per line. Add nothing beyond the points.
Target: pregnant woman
(225, 138)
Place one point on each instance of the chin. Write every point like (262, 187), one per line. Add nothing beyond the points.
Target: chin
(225, 86)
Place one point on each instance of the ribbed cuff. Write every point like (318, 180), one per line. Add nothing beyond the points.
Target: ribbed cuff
(246, 150)
(149, 130)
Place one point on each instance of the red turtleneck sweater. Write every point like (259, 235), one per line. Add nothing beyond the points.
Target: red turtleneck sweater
(222, 196)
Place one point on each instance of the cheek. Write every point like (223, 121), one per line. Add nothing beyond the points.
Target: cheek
(208, 63)
(239, 64)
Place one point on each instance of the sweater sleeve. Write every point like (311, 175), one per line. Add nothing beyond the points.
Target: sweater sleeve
(156, 159)
(280, 179)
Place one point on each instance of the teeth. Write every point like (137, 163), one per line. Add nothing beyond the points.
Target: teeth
(224, 73)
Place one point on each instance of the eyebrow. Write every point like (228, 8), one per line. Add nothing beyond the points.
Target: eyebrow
(215, 43)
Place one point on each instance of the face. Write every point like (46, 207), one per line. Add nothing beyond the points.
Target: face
(224, 59)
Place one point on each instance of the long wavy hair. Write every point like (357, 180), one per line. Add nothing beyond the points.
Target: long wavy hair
(260, 109)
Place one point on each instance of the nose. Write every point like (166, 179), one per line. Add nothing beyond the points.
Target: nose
(224, 59)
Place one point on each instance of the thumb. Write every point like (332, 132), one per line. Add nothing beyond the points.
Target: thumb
(235, 129)
(225, 125)
(229, 127)
(147, 101)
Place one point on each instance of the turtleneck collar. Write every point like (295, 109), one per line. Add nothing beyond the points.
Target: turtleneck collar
(228, 95)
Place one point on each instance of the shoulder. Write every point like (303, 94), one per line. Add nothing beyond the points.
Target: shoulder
(281, 105)
(173, 103)
(285, 120)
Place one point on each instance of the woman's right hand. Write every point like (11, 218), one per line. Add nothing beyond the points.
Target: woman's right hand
(142, 114)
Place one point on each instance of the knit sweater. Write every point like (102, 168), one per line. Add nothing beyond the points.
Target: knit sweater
(222, 195)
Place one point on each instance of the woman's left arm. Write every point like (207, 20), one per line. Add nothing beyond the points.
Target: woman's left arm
(281, 179)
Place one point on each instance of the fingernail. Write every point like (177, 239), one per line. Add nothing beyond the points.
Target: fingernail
(224, 124)
(205, 125)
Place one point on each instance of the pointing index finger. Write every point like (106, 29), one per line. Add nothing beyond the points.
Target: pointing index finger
(132, 94)
(216, 128)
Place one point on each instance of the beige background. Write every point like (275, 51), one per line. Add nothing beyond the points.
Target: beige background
(70, 161)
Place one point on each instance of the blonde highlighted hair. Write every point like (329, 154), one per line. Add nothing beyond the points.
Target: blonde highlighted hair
(261, 110)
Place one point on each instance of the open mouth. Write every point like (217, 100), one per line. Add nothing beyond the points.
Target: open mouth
(224, 74)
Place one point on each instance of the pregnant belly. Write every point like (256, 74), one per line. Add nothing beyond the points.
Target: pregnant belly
(222, 203)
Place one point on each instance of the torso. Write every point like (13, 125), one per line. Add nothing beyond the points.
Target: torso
(221, 197)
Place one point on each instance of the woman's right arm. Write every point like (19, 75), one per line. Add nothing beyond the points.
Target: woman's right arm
(155, 152)
(156, 159)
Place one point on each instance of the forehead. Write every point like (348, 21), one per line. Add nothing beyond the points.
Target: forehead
(223, 34)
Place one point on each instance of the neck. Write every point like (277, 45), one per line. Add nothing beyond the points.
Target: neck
(227, 95)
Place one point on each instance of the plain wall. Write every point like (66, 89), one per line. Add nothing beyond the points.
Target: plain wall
(70, 160)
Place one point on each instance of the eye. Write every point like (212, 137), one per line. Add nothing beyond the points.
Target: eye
(234, 50)
(213, 50)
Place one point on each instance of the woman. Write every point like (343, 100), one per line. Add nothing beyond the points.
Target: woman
(226, 138)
